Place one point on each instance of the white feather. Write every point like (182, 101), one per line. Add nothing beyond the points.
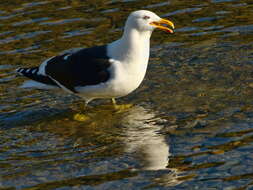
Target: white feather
(38, 85)
(43, 66)
(66, 56)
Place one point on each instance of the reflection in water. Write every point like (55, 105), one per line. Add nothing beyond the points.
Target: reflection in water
(142, 138)
(139, 131)
(132, 134)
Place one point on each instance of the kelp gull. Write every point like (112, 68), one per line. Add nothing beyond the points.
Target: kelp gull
(110, 71)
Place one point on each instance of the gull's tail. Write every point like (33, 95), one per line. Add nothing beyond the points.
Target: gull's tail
(38, 80)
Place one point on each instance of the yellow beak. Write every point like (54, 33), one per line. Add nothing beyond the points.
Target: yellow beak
(162, 27)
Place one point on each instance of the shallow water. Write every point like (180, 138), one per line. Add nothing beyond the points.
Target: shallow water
(191, 126)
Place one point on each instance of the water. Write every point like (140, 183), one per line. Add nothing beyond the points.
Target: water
(191, 126)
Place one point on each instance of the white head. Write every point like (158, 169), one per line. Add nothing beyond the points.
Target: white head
(145, 21)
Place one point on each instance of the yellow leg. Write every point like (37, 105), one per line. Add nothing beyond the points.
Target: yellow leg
(114, 102)
(80, 116)
(120, 107)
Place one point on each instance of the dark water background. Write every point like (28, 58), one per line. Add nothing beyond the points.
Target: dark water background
(191, 126)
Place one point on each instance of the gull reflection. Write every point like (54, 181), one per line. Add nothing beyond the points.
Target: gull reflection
(130, 136)
(144, 140)
(142, 137)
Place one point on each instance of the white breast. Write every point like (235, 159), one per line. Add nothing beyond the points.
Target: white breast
(126, 79)
(123, 80)
(129, 59)
(129, 64)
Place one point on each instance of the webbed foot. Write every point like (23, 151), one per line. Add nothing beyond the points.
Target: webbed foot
(120, 108)
(81, 117)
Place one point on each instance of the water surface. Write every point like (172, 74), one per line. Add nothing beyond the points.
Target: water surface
(191, 126)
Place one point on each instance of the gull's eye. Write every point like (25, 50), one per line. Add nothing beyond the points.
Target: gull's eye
(146, 17)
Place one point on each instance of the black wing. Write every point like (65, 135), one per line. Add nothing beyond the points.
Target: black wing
(33, 74)
(84, 67)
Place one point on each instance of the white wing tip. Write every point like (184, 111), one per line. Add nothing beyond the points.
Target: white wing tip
(38, 85)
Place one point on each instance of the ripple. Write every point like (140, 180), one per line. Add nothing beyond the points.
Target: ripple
(10, 120)
(207, 19)
(187, 29)
(31, 21)
(63, 21)
(19, 13)
(6, 33)
(6, 79)
(222, 12)
(89, 180)
(244, 29)
(162, 4)
(126, 1)
(8, 16)
(2, 12)
(27, 50)
(77, 33)
(239, 5)
(3, 67)
(182, 11)
(35, 3)
(23, 36)
(65, 8)
(213, 27)
(110, 10)
(203, 33)
(222, 1)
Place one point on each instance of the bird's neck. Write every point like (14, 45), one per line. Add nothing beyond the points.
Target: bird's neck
(132, 47)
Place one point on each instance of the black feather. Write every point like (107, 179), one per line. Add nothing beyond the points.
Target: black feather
(32, 73)
(85, 67)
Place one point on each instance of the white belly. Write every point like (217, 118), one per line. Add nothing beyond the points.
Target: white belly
(123, 80)
(126, 81)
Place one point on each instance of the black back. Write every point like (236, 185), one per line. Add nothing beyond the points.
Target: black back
(85, 67)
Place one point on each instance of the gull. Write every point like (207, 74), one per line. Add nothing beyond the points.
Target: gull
(102, 72)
